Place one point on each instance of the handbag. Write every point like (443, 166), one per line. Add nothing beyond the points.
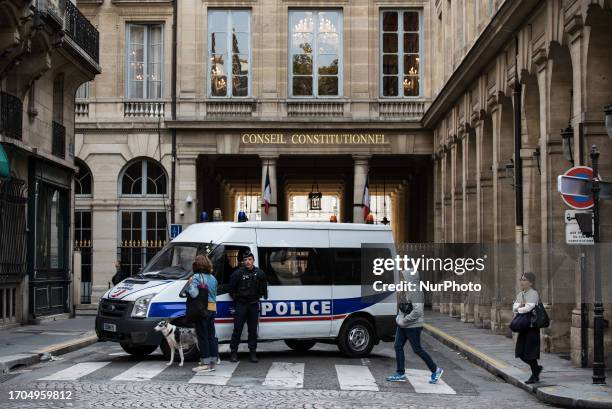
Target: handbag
(539, 317)
(405, 307)
(521, 322)
(197, 308)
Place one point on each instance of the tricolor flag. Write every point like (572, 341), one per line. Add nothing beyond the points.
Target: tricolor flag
(267, 193)
(366, 198)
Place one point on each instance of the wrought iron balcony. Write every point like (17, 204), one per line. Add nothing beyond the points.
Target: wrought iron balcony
(69, 18)
(58, 147)
(11, 110)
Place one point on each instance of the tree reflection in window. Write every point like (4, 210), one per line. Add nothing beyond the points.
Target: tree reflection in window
(143, 177)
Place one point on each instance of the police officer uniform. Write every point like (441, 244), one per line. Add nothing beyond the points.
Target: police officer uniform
(246, 288)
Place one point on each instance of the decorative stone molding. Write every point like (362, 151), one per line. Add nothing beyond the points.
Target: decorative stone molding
(230, 108)
(315, 108)
(81, 109)
(405, 110)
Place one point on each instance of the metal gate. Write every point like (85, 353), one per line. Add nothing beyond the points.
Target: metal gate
(13, 245)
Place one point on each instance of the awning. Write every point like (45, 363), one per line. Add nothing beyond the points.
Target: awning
(5, 170)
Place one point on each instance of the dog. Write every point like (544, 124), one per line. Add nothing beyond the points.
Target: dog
(177, 339)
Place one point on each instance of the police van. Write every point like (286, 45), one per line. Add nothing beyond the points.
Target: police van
(314, 274)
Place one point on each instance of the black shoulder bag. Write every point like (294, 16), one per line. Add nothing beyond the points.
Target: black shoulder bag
(197, 308)
(539, 317)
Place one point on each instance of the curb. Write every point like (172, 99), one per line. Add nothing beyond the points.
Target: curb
(545, 393)
(9, 362)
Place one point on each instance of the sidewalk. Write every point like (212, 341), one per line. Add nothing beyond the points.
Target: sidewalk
(562, 383)
(29, 344)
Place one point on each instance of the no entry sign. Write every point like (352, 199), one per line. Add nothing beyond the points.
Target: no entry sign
(578, 201)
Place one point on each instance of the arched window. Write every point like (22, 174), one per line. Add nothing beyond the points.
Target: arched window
(143, 177)
(83, 184)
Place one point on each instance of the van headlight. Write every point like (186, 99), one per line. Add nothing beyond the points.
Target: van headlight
(141, 305)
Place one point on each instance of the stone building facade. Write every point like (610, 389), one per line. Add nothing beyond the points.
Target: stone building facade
(412, 98)
(560, 54)
(47, 50)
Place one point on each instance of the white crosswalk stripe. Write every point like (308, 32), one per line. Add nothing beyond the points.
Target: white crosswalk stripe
(142, 371)
(420, 382)
(281, 375)
(220, 376)
(75, 371)
(355, 378)
(285, 375)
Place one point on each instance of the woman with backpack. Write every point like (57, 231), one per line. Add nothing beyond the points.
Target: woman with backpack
(528, 341)
(203, 280)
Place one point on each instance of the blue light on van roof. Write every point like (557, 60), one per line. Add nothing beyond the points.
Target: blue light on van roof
(242, 217)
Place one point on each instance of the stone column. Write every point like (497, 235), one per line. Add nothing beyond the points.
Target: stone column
(268, 163)
(361, 171)
(186, 187)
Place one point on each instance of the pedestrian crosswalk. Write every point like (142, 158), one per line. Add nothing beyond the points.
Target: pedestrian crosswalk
(274, 375)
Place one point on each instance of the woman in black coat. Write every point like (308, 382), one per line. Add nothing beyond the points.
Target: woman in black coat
(528, 342)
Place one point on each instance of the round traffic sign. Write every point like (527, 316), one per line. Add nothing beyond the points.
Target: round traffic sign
(579, 202)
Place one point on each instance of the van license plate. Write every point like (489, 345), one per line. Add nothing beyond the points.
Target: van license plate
(110, 327)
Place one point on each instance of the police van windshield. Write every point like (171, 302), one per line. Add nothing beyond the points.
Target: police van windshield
(175, 260)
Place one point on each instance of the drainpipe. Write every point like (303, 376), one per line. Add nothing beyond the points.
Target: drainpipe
(173, 92)
(518, 164)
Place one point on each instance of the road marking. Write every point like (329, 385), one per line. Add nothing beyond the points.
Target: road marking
(75, 371)
(142, 371)
(285, 375)
(220, 376)
(355, 378)
(419, 379)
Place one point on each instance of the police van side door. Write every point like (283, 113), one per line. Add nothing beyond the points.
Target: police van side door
(299, 285)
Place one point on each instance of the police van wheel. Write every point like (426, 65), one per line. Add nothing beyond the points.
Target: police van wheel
(300, 345)
(138, 350)
(190, 354)
(356, 338)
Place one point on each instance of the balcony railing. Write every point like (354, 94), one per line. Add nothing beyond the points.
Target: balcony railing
(81, 109)
(64, 15)
(81, 31)
(315, 108)
(11, 110)
(143, 108)
(403, 110)
(59, 140)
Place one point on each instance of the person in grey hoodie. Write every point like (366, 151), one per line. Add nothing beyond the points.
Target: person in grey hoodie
(409, 322)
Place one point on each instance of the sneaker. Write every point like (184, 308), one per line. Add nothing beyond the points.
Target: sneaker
(218, 360)
(435, 377)
(234, 356)
(202, 368)
(397, 377)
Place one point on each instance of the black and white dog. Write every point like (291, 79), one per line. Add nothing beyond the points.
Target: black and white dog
(177, 339)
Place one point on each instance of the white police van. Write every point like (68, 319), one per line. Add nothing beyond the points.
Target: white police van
(314, 292)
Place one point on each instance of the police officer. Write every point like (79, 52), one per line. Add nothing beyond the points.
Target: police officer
(247, 285)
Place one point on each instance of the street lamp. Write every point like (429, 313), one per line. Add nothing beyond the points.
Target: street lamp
(567, 137)
(608, 111)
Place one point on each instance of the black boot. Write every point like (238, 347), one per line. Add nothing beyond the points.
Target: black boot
(532, 379)
(253, 357)
(538, 372)
(234, 356)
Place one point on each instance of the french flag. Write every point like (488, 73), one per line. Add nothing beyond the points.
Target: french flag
(267, 193)
(366, 198)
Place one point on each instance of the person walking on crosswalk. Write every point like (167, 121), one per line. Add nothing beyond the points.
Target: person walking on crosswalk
(409, 322)
(205, 328)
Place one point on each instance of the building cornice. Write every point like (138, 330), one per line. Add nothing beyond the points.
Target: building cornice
(503, 26)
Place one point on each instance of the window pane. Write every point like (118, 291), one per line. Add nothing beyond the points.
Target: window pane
(328, 64)
(83, 91)
(390, 64)
(302, 86)
(132, 177)
(411, 64)
(328, 43)
(328, 86)
(156, 179)
(411, 86)
(390, 86)
(302, 64)
(136, 89)
(411, 43)
(301, 43)
(218, 85)
(240, 86)
(390, 43)
(411, 21)
(390, 21)
(240, 21)
(302, 22)
(137, 34)
(240, 64)
(217, 20)
(218, 43)
(156, 37)
(240, 43)
(328, 22)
